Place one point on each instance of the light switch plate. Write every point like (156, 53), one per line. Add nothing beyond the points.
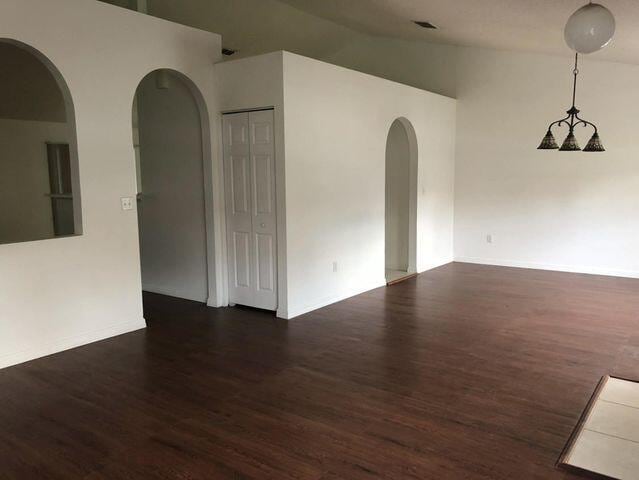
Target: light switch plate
(127, 203)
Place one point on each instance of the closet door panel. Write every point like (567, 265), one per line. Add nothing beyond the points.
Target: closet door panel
(264, 207)
(239, 225)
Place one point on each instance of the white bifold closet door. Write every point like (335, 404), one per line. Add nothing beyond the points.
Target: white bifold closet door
(249, 171)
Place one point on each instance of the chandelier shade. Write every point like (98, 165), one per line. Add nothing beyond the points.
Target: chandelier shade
(548, 142)
(570, 144)
(594, 144)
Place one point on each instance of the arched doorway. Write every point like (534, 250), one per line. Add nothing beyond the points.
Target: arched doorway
(39, 174)
(170, 139)
(401, 201)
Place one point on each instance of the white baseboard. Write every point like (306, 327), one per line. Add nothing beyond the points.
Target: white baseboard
(172, 293)
(291, 313)
(56, 346)
(437, 264)
(213, 303)
(612, 272)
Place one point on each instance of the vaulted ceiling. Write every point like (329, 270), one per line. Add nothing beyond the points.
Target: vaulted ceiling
(526, 25)
(258, 26)
(319, 28)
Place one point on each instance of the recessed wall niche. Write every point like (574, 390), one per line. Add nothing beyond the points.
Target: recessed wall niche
(39, 183)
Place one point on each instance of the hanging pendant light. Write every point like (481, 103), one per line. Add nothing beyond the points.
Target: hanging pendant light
(573, 120)
(589, 29)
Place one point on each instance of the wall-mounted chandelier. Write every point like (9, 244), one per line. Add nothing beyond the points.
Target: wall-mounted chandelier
(589, 29)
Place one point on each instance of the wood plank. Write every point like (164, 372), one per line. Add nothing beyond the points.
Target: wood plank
(464, 372)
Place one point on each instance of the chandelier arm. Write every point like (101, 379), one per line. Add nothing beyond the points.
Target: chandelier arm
(585, 123)
(559, 122)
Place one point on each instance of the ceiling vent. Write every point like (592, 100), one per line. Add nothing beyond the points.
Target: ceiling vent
(425, 25)
(228, 52)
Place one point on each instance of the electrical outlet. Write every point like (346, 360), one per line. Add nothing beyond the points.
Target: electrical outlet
(334, 267)
(127, 203)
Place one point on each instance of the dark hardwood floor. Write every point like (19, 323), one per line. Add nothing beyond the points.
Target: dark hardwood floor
(465, 372)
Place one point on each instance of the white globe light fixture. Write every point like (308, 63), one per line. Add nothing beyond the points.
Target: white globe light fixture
(590, 28)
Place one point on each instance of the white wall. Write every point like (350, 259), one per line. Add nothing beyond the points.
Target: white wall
(431, 67)
(336, 126)
(545, 209)
(56, 294)
(551, 210)
(331, 130)
(25, 210)
(397, 197)
(171, 211)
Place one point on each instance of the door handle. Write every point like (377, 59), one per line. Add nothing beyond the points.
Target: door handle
(263, 225)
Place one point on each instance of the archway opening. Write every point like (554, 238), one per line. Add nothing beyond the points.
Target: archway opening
(39, 175)
(401, 201)
(170, 159)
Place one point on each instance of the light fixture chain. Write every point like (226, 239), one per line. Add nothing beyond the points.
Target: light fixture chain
(575, 72)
